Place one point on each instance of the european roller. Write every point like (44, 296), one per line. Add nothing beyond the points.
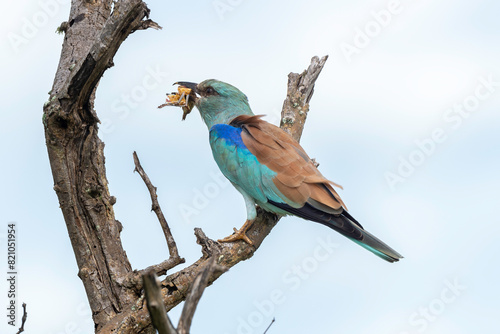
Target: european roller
(268, 167)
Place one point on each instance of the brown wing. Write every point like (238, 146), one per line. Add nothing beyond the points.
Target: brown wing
(297, 177)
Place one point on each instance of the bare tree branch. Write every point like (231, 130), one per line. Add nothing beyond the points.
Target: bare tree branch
(300, 91)
(156, 309)
(199, 285)
(25, 316)
(272, 322)
(172, 247)
(134, 279)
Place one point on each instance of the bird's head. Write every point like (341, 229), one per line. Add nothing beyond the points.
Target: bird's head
(217, 101)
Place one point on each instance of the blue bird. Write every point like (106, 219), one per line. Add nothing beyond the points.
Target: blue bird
(269, 168)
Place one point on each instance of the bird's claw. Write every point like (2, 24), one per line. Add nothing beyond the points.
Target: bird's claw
(238, 235)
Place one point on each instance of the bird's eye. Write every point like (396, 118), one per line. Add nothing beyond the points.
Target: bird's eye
(210, 91)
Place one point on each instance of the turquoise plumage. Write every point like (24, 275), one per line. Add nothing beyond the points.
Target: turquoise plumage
(270, 169)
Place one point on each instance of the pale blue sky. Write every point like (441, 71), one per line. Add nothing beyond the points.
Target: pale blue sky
(371, 113)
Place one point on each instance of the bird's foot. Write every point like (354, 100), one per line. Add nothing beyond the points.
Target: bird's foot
(239, 234)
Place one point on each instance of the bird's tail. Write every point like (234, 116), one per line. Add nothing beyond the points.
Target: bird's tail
(346, 225)
(369, 241)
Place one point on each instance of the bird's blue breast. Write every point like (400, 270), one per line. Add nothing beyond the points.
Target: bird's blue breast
(229, 133)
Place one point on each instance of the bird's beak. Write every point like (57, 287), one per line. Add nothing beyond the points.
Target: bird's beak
(190, 85)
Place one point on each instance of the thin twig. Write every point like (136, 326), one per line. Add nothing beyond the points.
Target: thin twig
(172, 247)
(269, 326)
(134, 279)
(199, 285)
(156, 308)
(162, 268)
(25, 315)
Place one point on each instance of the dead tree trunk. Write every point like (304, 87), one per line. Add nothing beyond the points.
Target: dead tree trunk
(92, 37)
(93, 34)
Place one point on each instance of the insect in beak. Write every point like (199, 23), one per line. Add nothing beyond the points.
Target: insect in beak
(184, 97)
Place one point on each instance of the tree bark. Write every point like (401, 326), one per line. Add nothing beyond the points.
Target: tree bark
(299, 93)
(93, 34)
(92, 37)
